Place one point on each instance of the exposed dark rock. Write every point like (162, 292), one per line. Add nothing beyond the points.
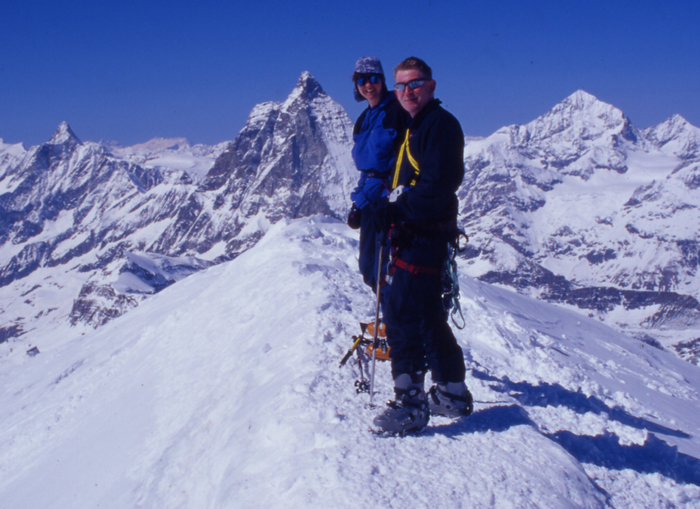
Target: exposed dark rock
(647, 339)
(689, 350)
(10, 331)
(98, 304)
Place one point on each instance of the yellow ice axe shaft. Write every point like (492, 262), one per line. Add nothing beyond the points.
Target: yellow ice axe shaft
(352, 349)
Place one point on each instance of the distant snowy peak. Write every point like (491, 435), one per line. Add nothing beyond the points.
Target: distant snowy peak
(11, 149)
(64, 134)
(157, 144)
(10, 156)
(583, 119)
(675, 136)
(169, 155)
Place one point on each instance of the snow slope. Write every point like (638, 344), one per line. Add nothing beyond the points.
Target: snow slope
(224, 390)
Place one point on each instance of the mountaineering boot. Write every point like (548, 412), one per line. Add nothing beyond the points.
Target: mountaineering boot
(450, 400)
(408, 412)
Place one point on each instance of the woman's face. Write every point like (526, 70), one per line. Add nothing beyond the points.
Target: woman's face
(371, 91)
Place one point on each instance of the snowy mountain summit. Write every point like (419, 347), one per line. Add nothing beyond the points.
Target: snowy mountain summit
(676, 136)
(224, 391)
(64, 134)
(220, 387)
(291, 159)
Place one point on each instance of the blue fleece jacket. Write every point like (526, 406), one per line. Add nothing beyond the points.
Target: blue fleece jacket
(375, 134)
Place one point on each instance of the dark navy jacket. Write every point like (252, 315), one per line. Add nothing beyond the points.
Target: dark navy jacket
(436, 142)
(374, 153)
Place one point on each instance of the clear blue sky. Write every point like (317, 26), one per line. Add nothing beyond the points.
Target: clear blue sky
(129, 71)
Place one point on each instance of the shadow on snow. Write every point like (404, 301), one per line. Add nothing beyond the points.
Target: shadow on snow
(544, 395)
(654, 456)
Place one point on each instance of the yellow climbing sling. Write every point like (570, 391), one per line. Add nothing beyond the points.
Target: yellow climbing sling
(411, 160)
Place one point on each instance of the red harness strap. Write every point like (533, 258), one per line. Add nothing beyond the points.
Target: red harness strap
(415, 269)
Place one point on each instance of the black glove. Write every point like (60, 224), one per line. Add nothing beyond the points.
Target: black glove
(384, 216)
(354, 217)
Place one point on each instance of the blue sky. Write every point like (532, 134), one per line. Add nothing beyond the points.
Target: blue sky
(129, 71)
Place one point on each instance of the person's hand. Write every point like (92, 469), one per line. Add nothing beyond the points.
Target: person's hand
(354, 217)
(385, 215)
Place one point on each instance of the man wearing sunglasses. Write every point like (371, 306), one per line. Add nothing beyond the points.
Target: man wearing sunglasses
(422, 222)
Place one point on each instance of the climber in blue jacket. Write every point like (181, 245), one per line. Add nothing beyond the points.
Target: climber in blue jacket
(377, 133)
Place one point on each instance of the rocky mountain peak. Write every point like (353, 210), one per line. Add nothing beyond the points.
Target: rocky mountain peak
(581, 100)
(582, 119)
(582, 108)
(675, 136)
(306, 90)
(63, 134)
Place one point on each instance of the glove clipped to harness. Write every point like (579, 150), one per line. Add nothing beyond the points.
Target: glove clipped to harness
(354, 217)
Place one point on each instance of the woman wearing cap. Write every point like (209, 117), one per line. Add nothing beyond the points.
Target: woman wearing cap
(376, 132)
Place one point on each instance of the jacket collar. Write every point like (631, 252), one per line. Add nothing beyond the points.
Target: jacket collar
(391, 96)
(416, 121)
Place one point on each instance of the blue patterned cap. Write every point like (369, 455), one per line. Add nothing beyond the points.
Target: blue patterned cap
(366, 65)
(369, 65)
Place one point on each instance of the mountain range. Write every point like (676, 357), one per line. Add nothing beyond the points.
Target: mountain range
(88, 230)
(579, 207)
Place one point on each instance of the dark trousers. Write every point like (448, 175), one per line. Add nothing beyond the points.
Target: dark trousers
(369, 248)
(416, 320)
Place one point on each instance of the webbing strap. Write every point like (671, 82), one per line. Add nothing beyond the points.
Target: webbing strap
(399, 160)
(416, 269)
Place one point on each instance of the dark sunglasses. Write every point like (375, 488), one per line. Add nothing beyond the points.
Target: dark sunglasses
(372, 78)
(413, 84)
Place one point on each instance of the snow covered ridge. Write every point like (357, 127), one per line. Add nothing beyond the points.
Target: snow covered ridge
(581, 207)
(184, 403)
(74, 215)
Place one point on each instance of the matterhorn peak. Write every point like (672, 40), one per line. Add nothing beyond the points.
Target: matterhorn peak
(308, 87)
(63, 134)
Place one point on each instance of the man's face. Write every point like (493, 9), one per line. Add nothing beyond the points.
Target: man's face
(413, 100)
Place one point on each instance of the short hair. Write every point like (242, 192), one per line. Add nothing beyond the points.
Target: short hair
(417, 64)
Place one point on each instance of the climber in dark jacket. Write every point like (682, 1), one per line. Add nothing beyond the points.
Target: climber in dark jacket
(421, 218)
(376, 133)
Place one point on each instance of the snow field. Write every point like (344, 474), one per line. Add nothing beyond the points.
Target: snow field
(224, 391)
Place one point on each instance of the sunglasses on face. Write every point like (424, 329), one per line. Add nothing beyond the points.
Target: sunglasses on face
(373, 78)
(413, 84)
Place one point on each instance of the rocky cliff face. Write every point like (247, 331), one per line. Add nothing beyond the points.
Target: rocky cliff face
(290, 160)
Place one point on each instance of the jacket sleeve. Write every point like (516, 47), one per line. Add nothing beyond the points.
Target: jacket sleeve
(440, 155)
